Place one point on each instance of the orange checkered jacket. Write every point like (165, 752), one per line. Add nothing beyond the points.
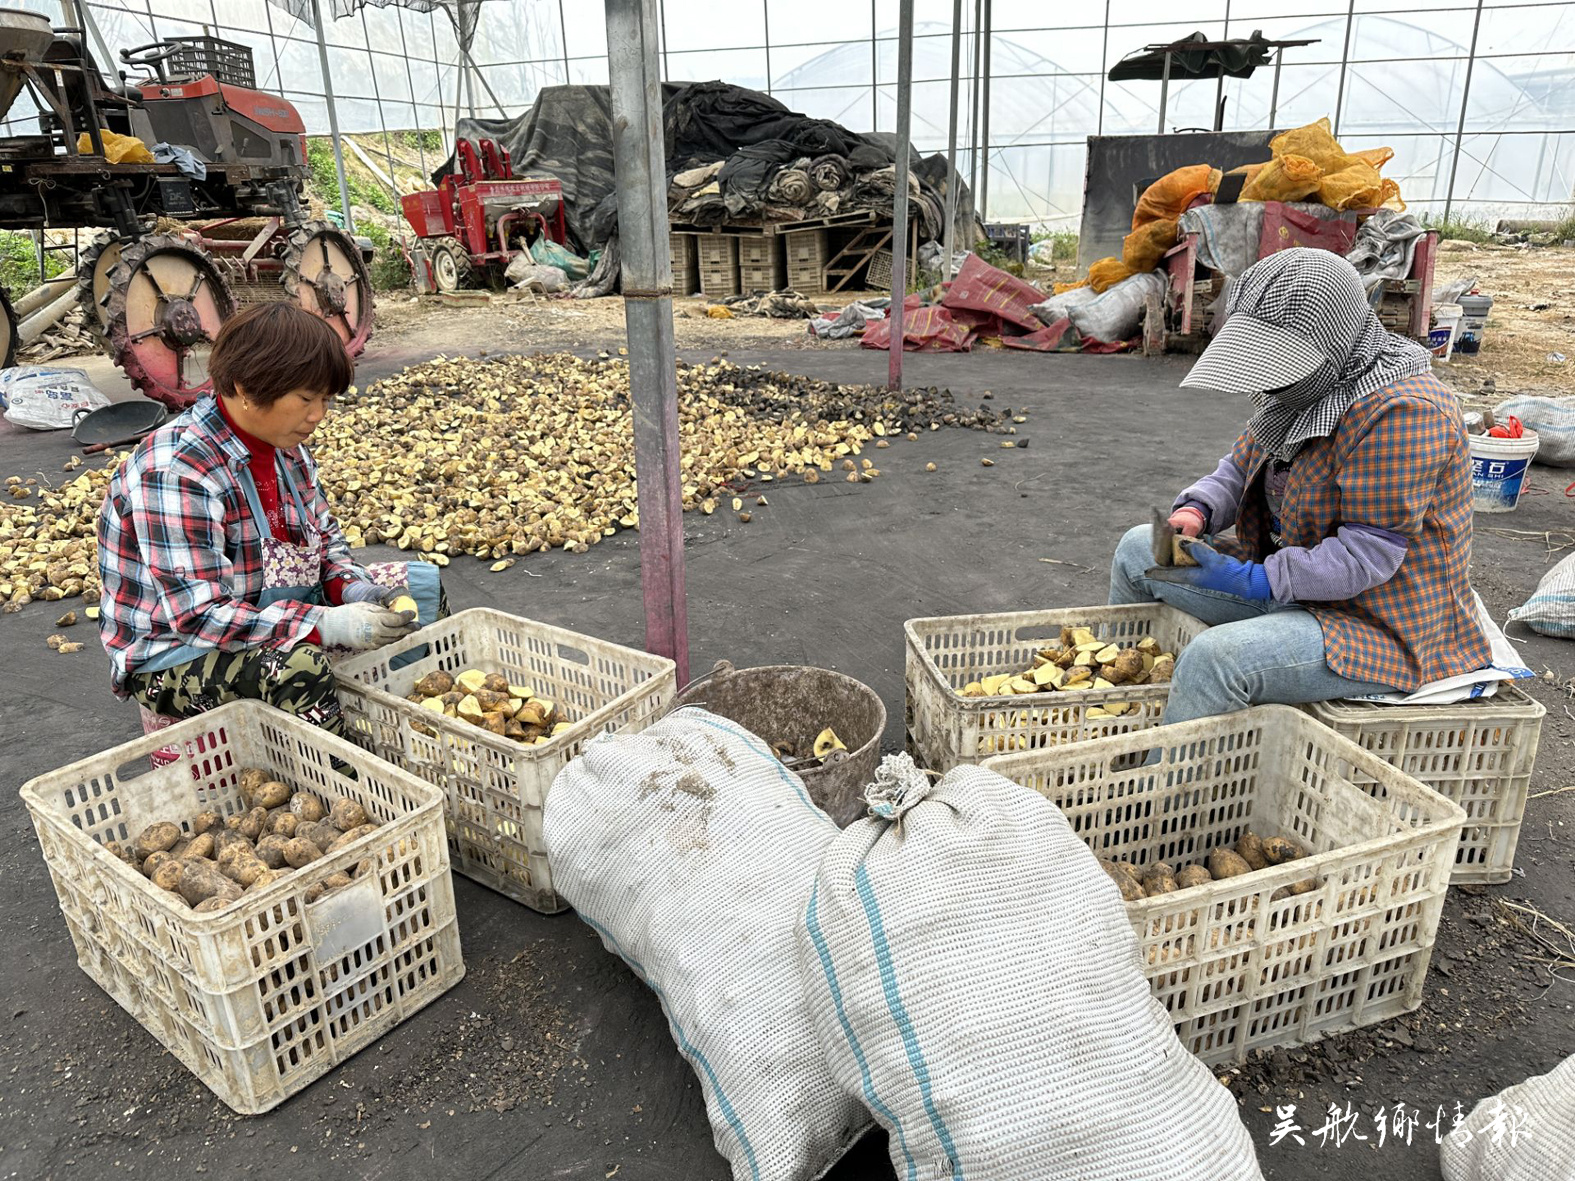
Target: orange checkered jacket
(1398, 460)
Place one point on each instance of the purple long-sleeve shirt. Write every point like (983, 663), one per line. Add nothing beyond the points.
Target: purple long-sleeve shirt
(1341, 567)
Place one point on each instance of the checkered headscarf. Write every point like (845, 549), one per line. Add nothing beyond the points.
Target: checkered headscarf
(1302, 339)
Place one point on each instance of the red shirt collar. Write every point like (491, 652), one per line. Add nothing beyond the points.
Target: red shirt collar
(258, 448)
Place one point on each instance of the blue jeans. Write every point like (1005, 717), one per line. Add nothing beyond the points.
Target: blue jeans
(1254, 653)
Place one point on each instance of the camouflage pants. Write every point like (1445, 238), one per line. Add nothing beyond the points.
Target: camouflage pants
(299, 681)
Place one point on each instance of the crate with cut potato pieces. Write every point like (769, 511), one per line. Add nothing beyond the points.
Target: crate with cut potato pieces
(982, 685)
(262, 913)
(1275, 898)
(489, 707)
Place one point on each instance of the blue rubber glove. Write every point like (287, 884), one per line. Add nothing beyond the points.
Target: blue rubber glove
(1217, 572)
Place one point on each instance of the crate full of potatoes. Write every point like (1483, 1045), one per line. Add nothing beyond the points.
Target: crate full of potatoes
(982, 685)
(489, 707)
(261, 912)
(1274, 898)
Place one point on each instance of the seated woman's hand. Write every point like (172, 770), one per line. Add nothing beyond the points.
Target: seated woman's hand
(363, 626)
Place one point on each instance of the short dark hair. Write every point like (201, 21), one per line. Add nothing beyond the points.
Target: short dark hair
(269, 349)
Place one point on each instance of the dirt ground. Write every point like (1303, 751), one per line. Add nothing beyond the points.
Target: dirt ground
(551, 1059)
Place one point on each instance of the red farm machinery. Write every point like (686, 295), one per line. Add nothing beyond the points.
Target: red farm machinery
(177, 258)
(480, 218)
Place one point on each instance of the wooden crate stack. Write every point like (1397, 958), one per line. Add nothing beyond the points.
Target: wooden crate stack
(762, 263)
(718, 264)
(806, 261)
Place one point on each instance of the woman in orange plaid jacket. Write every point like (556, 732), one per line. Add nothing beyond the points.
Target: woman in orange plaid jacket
(1350, 493)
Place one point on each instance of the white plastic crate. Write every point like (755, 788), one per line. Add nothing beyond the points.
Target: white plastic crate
(495, 787)
(946, 729)
(264, 996)
(1479, 754)
(1236, 968)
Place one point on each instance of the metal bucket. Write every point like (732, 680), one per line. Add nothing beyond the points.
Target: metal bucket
(792, 703)
(23, 38)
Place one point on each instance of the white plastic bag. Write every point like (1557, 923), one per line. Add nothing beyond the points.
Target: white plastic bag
(524, 271)
(1524, 1133)
(1116, 315)
(47, 398)
(1554, 421)
(1551, 608)
(974, 978)
(1058, 307)
(689, 849)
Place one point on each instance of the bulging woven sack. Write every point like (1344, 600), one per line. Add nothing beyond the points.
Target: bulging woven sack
(1168, 197)
(690, 849)
(1284, 178)
(1314, 142)
(1524, 1133)
(974, 979)
(1106, 273)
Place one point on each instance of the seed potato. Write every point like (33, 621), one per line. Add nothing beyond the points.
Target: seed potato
(346, 814)
(307, 806)
(156, 838)
(1225, 863)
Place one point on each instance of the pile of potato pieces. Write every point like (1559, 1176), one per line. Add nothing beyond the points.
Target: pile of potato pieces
(488, 701)
(1251, 853)
(211, 862)
(1082, 661)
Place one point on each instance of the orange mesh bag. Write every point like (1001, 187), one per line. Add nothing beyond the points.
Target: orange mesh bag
(1250, 171)
(1107, 272)
(1063, 288)
(1377, 157)
(1356, 187)
(1285, 178)
(1142, 249)
(1314, 142)
(1168, 197)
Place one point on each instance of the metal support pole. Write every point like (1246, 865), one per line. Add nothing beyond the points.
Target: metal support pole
(470, 83)
(667, 75)
(1460, 128)
(641, 168)
(1219, 90)
(382, 122)
(973, 109)
(415, 107)
(949, 241)
(333, 116)
(899, 213)
(563, 41)
(874, 70)
(765, 15)
(1104, 68)
(1345, 56)
(984, 108)
(1274, 95)
(1164, 92)
(477, 72)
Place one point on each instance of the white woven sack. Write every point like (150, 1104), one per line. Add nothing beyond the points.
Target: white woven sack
(1551, 608)
(1117, 315)
(689, 849)
(974, 979)
(1058, 307)
(1554, 421)
(1524, 1133)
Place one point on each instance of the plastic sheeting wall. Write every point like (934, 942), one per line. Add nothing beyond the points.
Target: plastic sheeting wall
(1400, 71)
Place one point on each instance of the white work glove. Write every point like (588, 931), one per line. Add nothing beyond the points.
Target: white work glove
(361, 626)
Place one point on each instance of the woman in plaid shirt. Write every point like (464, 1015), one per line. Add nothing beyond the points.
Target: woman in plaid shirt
(225, 574)
(1350, 493)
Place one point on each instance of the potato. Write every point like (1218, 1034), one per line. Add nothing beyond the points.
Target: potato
(1125, 668)
(227, 843)
(167, 875)
(492, 702)
(470, 709)
(124, 854)
(1192, 875)
(435, 684)
(1279, 850)
(354, 834)
(495, 723)
(283, 823)
(496, 683)
(320, 833)
(307, 806)
(153, 860)
(471, 679)
(1125, 882)
(272, 794)
(1160, 883)
(209, 905)
(200, 845)
(314, 891)
(299, 851)
(251, 779)
(265, 879)
(245, 870)
(1164, 668)
(201, 880)
(156, 838)
(206, 822)
(1250, 846)
(452, 698)
(1160, 869)
(1223, 863)
(1149, 646)
(346, 814)
(335, 880)
(254, 823)
(270, 850)
(365, 867)
(233, 823)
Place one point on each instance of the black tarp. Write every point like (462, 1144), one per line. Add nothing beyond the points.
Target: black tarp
(567, 134)
(1235, 59)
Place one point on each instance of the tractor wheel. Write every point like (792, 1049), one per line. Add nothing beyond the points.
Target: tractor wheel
(10, 340)
(167, 302)
(325, 274)
(94, 268)
(451, 265)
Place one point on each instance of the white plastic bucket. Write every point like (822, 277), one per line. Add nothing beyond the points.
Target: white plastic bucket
(1446, 326)
(1498, 470)
(1473, 322)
